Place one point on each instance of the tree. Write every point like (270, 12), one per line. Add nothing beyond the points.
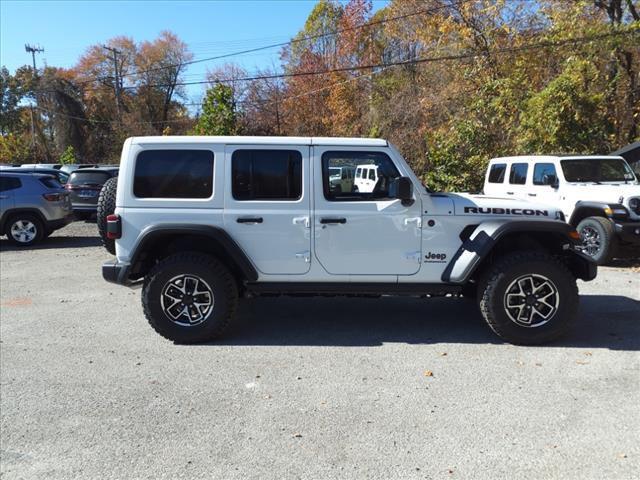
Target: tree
(68, 157)
(218, 112)
(569, 114)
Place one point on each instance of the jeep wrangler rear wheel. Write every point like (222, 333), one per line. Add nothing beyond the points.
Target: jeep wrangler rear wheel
(529, 298)
(189, 298)
(598, 238)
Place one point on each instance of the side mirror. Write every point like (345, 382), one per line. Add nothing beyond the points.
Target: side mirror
(551, 180)
(402, 189)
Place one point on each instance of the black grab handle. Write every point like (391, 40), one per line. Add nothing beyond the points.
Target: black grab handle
(333, 220)
(249, 220)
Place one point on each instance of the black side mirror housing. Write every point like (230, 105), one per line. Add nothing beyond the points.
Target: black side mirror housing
(551, 180)
(402, 189)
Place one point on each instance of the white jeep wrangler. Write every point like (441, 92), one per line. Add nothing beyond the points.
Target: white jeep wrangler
(598, 195)
(203, 221)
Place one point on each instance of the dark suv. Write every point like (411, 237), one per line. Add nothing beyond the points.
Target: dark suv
(32, 206)
(84, 185)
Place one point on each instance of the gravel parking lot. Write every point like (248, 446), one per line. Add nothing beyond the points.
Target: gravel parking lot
(305, 388)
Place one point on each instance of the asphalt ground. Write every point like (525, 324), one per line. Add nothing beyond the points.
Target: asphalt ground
(306, 387)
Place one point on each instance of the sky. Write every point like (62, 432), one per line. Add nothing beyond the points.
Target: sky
(66, 28)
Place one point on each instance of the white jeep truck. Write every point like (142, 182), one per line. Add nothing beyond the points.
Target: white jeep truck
(200, 222)
(598, 195)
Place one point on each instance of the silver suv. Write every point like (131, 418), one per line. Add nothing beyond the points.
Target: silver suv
(32, 206)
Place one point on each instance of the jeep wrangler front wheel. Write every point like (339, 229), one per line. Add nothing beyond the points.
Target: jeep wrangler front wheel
(529, 298)
(189, 298)
(598, 238)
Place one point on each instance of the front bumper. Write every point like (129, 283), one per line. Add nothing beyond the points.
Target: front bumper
(628, 232)
(116, 272)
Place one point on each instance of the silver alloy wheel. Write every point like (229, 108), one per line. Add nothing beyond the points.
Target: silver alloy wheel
(23, 231)
(187, 300)
(591, 240)
(531, 300)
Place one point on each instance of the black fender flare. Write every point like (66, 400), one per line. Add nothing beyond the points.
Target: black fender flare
(592, 209)
(482, 240)
(236, 255)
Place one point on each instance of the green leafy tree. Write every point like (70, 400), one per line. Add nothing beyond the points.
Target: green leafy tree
(568, 115)
(219, 116)
(68, 157)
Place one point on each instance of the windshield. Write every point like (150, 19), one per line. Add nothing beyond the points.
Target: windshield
(597, 170)
(334, 171)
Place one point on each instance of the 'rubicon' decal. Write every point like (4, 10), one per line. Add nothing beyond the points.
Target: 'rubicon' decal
(505, 211)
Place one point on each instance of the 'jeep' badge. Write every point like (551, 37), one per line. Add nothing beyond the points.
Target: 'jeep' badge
(435, 257)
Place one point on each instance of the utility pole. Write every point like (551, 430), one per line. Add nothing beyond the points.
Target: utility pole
(116, 80)
(33, 50)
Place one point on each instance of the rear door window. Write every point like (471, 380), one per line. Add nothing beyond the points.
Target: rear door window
(9, 183)
(267, 174)
(496, 172)
(518, 174)
(174, 174)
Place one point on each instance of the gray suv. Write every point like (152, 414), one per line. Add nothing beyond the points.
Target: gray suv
(32, 206)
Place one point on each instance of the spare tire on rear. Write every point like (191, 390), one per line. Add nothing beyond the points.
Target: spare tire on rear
(106, 207)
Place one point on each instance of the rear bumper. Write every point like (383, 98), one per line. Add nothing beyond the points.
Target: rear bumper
(60, 222)
(85, 208)
(116, 272)
(628, 232)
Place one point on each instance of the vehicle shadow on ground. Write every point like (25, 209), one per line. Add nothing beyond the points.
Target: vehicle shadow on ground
(605, 321)
(54, 242)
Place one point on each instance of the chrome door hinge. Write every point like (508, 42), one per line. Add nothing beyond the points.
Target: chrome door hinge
(306, 255)
(302, 221)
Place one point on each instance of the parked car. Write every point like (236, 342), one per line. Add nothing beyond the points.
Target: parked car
(366, 178)
(201, 221)
(341, 178)
(54, 166)
(32, 206)
(599, 195)
(76, 166)
(60, 175)
(84, 185)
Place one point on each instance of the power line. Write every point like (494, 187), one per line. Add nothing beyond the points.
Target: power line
(381, 68)
(289, 42)
(461, 56)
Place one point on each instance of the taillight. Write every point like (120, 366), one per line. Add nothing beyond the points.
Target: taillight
(53, 197)
(114, 226)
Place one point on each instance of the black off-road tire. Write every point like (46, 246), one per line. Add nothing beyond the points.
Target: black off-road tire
(607, 235)
(207, 268)
(25, 217)
(493, 288)
(106, 207)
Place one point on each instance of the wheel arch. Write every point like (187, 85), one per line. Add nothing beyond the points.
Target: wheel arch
(587, 209)
(161, 241)
(493, 239)
(15, 211)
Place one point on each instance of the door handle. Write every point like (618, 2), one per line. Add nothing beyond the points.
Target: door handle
(324, 221)
(249, 220)
(532, 194)
(509, 193)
